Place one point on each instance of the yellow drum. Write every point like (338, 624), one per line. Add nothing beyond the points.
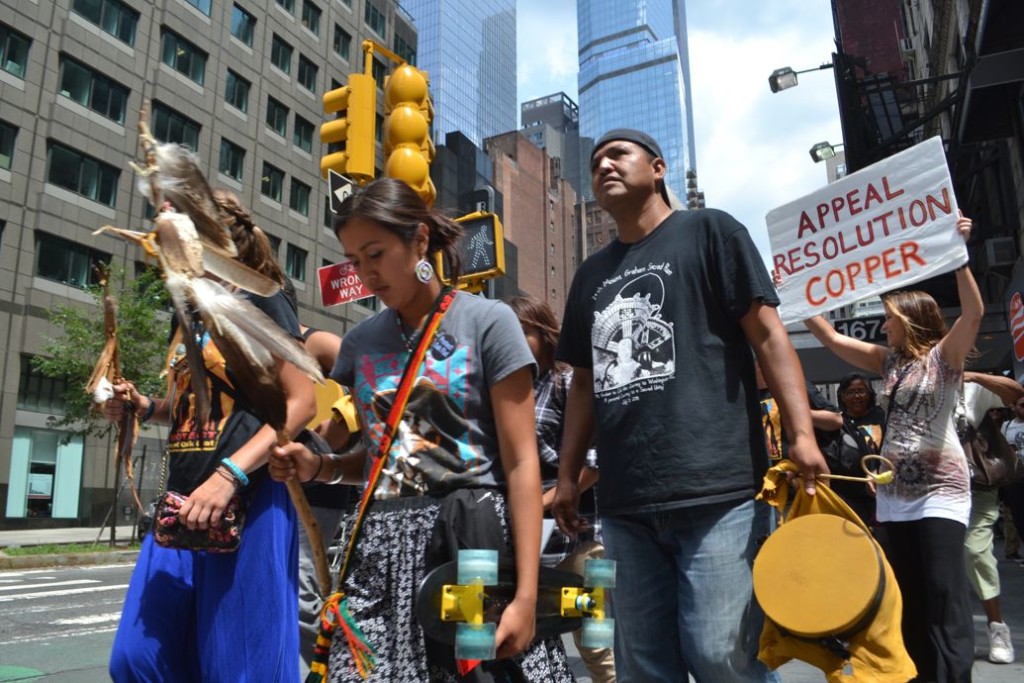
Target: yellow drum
(819, 576)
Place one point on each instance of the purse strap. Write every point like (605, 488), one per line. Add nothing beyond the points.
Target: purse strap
(895, 388)
(441, 306)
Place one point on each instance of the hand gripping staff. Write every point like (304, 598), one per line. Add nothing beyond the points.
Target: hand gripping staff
(335, 612)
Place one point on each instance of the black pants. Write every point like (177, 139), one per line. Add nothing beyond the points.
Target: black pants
(927, 558)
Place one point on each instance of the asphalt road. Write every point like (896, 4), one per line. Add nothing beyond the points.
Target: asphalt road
(57, 625)
(59, 622)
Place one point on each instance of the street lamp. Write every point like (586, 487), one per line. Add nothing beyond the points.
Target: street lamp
(785, 78)
(823, 150)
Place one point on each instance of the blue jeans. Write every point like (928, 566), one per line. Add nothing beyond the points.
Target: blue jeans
(683, 598)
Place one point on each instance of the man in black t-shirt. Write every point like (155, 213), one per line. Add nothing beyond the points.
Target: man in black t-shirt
(658, 327)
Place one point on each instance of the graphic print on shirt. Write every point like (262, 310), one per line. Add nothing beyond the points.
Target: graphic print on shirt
(431, 451)
(187, 435)
(633, 346)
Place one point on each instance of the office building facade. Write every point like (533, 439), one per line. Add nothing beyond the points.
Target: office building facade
(631, 75)
(238, 82)
(468, 49)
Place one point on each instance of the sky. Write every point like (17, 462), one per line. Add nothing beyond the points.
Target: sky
(752, 145)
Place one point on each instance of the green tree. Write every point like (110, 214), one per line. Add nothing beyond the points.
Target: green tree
(143, 321)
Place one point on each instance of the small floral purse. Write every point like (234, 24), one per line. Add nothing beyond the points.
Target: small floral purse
(170, 532)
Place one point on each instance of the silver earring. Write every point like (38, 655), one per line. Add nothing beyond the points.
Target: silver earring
(424, 271)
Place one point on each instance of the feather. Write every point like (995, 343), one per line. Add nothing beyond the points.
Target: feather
(180, 248)
(221, 265)
(236, 320)
(177, 178)
(180, 289)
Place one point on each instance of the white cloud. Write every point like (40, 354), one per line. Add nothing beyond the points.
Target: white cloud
(546, 48)
(752, 145)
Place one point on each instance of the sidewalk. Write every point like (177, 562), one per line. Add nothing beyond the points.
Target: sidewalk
(30, 537)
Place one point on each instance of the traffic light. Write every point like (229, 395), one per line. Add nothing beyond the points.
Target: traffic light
(481, 251)
(356, 104)
(408, 147)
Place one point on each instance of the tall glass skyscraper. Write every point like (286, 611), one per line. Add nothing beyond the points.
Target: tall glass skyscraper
(632, 75)
(468, 49)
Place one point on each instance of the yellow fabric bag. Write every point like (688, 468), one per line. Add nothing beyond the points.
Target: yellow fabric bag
(825, 574)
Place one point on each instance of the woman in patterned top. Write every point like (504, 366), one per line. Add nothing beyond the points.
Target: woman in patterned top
(462, 471)
(926, 509)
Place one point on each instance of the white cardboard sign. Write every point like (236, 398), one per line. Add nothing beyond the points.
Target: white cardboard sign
(886, 226)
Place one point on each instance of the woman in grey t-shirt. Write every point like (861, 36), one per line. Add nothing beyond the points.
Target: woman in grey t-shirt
(462, 471)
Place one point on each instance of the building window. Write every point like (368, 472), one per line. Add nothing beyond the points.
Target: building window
(307, 74)
(113, 16)
(171, 126)
(272, 182)
(295, 263)
(405, 50)
(243, 25)
(287, 5)
(376, 20)
(183, 56)
(92, 89)
(236, 91)
(347, 3)
(67, 262)
(281, 55)
(298, 200)
(302, 134)
(342, 42)
(311, 16)
(82, 174)
(8, 134)
(201, 5)
(380, 72)
(39, 393)
(277, 117)
(231, 159)
(275, 243)
(13, 51)
(378, 129)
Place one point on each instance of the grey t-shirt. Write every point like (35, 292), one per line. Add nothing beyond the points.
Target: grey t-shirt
(447, 438)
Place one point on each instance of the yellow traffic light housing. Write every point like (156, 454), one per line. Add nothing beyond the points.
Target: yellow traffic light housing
(356, 128)
(408, 147)
(481, 251)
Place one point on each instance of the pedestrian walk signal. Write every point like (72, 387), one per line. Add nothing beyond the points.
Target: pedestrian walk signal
(481, 251)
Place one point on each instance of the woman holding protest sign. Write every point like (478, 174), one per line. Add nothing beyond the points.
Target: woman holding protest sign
(925, 510)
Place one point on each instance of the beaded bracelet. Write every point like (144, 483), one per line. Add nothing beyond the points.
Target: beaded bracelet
(236, 472)
(150, 409)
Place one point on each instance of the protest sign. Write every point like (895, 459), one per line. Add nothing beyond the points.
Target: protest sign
(886, 226)
(339, 284)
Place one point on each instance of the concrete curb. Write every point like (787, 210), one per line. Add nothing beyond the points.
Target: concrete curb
(66, 559)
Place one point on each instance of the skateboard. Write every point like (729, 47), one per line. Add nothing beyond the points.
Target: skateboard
(461, 602)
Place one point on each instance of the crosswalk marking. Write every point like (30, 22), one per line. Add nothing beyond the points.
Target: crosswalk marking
(27, 586)
(89, 619)
(56, 594)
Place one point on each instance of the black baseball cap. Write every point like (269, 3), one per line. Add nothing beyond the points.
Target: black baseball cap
(630, 135)
(637, 137)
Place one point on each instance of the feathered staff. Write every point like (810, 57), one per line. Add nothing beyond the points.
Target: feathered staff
(195, 252)
(107, 373)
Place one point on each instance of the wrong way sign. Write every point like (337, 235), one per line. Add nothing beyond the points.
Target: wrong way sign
(339, 284)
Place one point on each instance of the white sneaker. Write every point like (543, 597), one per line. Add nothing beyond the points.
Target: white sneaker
(1000, 647)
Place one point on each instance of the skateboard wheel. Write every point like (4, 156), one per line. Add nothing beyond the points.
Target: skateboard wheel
(475, 641)
(478, 566)
(598, 633)
(599, 574)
